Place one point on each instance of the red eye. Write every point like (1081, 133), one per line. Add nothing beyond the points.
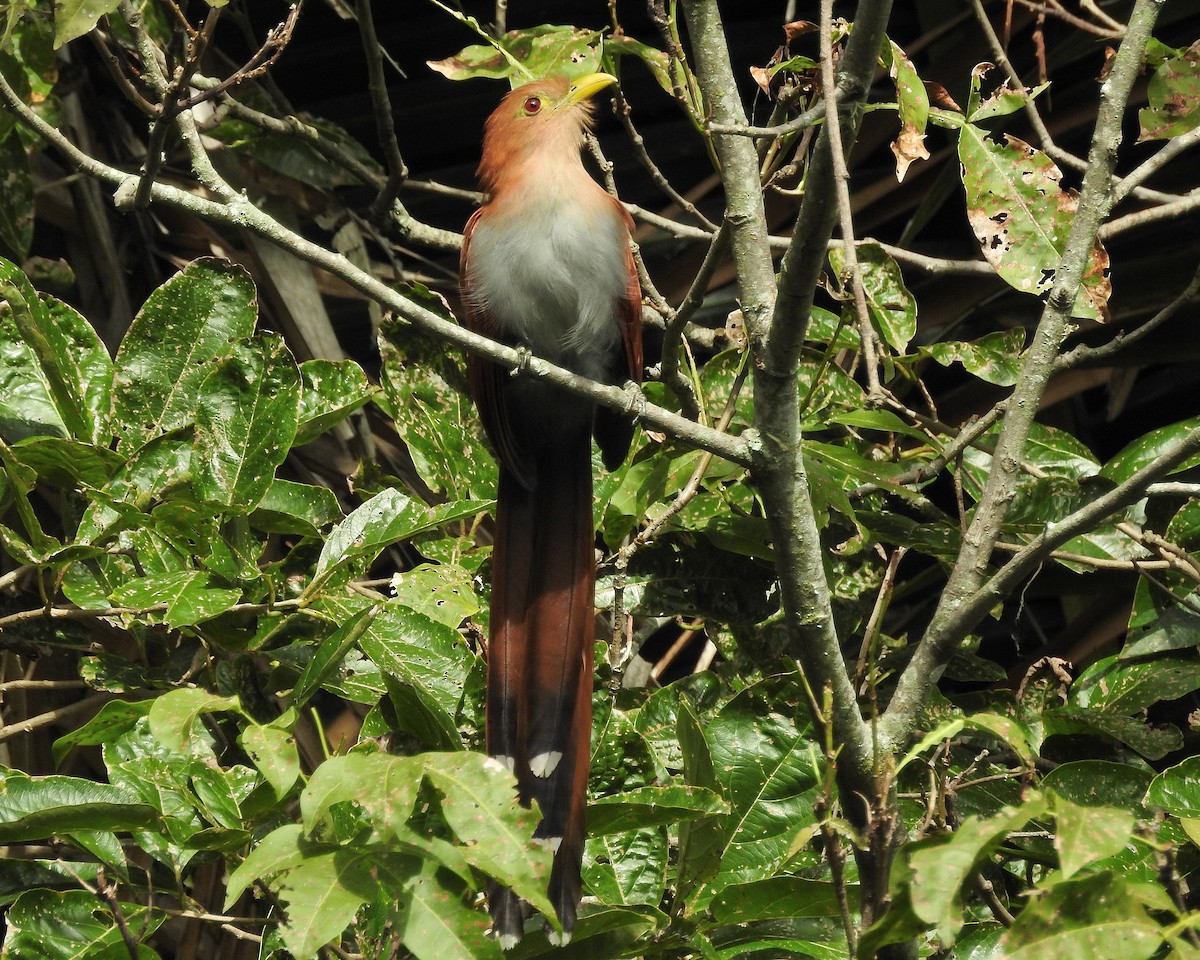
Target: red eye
(532, 105)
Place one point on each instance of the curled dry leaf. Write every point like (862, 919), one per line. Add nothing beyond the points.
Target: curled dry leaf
(735, 328)
(798, 28)
(940, 96)
(908, 146)
(1109, 54)
(762, 76)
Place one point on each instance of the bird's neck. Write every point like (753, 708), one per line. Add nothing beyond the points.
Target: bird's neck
(541, 178)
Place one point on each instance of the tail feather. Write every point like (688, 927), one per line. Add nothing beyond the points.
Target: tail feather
(540, 658)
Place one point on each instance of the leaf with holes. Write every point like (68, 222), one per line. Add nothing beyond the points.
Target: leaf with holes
(191, 320)
(1022, 217)
(523, 55)
(1173, 96)
(912, 105)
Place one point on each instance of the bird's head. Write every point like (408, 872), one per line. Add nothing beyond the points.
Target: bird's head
(539, 123)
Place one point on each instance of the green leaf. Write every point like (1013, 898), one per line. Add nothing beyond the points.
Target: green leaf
(882, 420)
(939, 869)
(221, 792)
(48, 357)
(626, 868)
(1094, 783)
(767, 775)
(893, 309)
(16, 199)
(279, 850)
(1148, 448)
(699, 840)
(74, 18)
(1087, 834)
(1022, 217)
(296, 508)
(158, 468)
(658, 62)
(321, 895)
(1177, 789)
(175, 712)
(114, 718)
(191, 596)
(1173, 97)
(1118, 686)
(20, 876)
(540, 51)
(294, 157)
(1092, 917)
(430, 663)
(434, 924)
(438, 423)
(274, 753)
(775, 898)
(1011, 731)
(73, 925)
(1004, 100)
(245, 422)
(193, 319)
(651, 806)
(329, 655)
(34, 808)
(441, 591)
(67, 463)
(1160, 624)
(386, 518)
(1151, 742)
(331, 391)
(943, 731)
(995, 357)
(385, 787)
(479, 804)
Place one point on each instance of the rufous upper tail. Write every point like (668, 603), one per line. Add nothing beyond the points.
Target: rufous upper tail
(539, 707)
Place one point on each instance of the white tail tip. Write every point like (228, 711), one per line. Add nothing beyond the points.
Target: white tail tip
(544, 764)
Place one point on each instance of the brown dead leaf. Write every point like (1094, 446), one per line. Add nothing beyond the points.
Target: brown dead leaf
(762, 76)
(940, 96)
(907, 147)
(798, 28)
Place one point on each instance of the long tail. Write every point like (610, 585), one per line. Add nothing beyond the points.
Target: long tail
(539, 707)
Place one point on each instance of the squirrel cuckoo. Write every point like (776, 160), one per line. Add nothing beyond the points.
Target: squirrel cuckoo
(546, 266)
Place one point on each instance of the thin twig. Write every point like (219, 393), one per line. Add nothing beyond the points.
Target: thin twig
(841, 186)
(625, 114)
(808, 118)
(381, 105)
(1082, 353)
(11, 730)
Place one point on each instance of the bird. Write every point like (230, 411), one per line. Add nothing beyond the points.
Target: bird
(547, 267)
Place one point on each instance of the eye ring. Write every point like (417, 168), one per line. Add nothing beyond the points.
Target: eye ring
(532, 106)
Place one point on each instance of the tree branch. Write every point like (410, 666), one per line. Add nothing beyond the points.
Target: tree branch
(778, 467)
(958, 606)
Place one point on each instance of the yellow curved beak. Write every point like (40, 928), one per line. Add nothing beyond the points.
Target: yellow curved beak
(588, 85)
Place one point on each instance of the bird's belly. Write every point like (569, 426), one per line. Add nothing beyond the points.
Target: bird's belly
(555, 285)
